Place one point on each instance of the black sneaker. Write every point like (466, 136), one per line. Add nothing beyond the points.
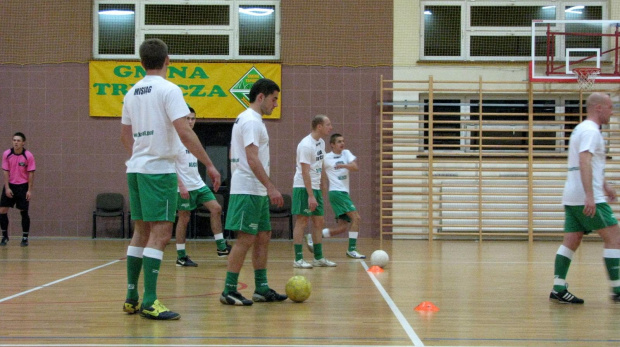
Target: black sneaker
(615, 298)
(270, 296)
(225, 252)
(4, 241)
(24, 242)
(158, 311)
(131, 306)
(185, 261)
(235, 298)
(565, 297)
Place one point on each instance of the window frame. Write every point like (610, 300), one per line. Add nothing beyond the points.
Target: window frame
(231, 30)
(467, 127)
(468, 31)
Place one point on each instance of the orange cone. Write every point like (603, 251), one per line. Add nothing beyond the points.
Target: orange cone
(427, 306)
(375, 269)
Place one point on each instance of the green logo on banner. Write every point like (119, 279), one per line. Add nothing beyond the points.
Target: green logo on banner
(241, 89)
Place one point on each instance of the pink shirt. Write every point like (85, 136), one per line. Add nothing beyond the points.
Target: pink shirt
(18, 165)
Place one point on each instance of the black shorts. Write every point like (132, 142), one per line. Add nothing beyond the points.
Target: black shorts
(19, 197)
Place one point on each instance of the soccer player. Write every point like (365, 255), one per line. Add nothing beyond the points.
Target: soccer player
(308, 184)
(153, 121)
(338, 164)
(585, 200)
(193, 192)
(251, 192)
(18, 165)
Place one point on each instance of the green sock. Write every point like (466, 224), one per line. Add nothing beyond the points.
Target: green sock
(232, 279)
(181, 253)
(299, 252)
(318, 251)
(562, 262)
(151, 272)
(352, 244)
(221, 244)
(612, 263)
(134, 265)
(260, 281)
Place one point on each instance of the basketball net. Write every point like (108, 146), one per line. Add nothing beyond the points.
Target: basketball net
(586, 76)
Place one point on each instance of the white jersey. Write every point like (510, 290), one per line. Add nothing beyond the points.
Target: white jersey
(585, 137)
(338, 178)
(249, 129)
(150, 107)
(311, 152)
(187, 170)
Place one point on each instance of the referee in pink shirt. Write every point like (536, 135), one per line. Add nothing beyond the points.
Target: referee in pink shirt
(18, 166)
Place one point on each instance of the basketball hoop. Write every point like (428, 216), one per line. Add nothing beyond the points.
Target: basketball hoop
(586, 76)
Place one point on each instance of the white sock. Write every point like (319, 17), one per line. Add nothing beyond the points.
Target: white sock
(353, 234)
(180, 246)
(135, 251)
(219, 236)
(326, 233)
(153, 253)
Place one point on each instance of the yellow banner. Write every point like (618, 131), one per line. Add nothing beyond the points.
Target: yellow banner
(214, 90)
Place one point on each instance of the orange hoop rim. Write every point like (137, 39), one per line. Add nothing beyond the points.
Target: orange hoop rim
(586, 71)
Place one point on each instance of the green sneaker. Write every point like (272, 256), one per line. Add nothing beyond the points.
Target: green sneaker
(131, 306)
(159, 312)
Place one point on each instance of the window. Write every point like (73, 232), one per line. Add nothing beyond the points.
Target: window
(502, 124)
(193, 29)
(499, 30)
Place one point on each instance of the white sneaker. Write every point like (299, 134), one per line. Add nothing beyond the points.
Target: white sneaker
(302, 264)
(355, 255)
(323, 262)
(309, 243)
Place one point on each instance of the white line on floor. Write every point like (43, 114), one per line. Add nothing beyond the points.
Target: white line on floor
(403, 322)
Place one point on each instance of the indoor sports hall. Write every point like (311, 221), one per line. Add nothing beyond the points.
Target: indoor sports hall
(459, 114)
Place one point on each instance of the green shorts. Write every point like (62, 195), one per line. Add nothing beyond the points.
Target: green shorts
(341, 204)
(153, 198)
(248, 213)
(576, 221)
(196, 198)
(300, 202)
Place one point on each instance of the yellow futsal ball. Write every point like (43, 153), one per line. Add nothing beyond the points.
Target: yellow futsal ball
(298, 288)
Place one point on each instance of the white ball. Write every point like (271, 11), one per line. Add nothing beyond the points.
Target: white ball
(379, 258)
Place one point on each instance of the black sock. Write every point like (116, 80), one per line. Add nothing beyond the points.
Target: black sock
(4, 224)
(25, 223)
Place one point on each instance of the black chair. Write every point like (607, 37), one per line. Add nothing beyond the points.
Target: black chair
(109, 205)
(203, 212)
(283, 212)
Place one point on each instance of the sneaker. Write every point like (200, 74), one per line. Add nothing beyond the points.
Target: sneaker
(131, 306)
(302, 264)
(225, 252)
(159, 312)
(24, 243)
(4, 241)
(235, 298)
(615, 298)
(565, 297)
(309, 243)
(323, 262)
(185, 261)
(270, 296)
(355, 255)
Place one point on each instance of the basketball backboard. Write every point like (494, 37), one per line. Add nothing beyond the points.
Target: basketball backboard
(559, 46)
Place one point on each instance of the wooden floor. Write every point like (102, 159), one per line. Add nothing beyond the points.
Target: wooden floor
(69, 292)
